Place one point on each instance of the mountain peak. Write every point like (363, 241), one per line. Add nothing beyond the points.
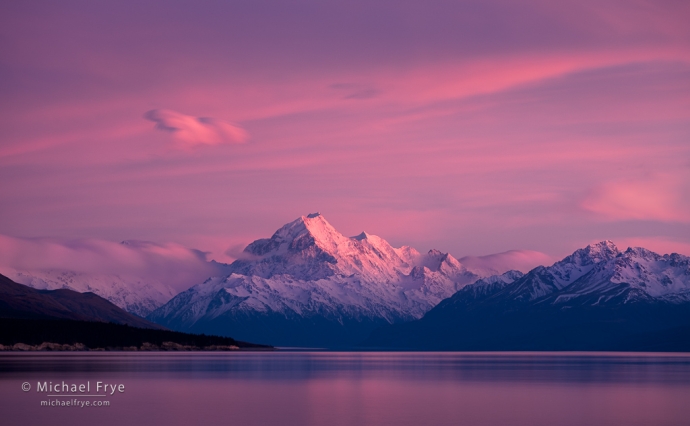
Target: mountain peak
(641, 252)
(311, 248)
(314, 225)
(594, 253)
(294, 236)
(322, 232)
(436, 260)
(603, 246)
(362, 236)
(634, 275)
(542, 281)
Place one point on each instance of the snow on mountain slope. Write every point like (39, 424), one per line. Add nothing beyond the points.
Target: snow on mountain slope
(542, 280)
(132, 294)
(308, 269)
(598, 274)
(479, 290)
(598, 298)
(635, 300)
(311, 249)
(634, 275)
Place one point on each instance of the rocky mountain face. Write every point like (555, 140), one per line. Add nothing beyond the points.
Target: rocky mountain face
(309, 285)
(597, 298)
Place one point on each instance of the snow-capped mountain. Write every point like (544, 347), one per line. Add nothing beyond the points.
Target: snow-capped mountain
(597, 298)
(602, 274)
(481, 289)
(542, 280)
(133, 294)
(635, 275)
(309, 284)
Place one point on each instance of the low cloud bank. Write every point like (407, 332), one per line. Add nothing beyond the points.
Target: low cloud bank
(176, 266)
(522, 260)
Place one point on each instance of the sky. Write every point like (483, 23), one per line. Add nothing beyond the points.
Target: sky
(472, 127)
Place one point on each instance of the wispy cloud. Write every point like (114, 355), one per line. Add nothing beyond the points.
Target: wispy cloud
(190, 130)
(521, 260)
(662, 197)
(356, 91)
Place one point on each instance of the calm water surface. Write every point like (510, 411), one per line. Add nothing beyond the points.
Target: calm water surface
(350, 388)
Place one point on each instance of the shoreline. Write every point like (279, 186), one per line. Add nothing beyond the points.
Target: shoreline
(145, 347)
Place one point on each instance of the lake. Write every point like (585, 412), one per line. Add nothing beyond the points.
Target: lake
(344, 388)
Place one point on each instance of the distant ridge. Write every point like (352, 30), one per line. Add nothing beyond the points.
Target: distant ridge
(21, 302)
(598, 298)
(51, 318)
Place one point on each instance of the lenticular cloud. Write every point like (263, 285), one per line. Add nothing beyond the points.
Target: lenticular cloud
(190, 130)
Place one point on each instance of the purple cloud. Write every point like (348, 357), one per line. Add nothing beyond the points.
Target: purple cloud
(190, 130)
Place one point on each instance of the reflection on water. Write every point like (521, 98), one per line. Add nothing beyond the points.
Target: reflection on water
(351, 388)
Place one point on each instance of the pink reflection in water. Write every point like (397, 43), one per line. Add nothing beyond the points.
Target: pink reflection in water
(365, 389)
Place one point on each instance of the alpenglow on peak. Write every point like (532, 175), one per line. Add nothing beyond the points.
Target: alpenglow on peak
(308, 284)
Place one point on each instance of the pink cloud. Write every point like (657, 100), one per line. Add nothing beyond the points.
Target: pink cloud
(521, 260)
(190, 130)
(662, 197)
(172, 264)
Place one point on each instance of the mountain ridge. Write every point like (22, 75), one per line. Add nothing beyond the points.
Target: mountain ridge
(614, 295)
(22, 302)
